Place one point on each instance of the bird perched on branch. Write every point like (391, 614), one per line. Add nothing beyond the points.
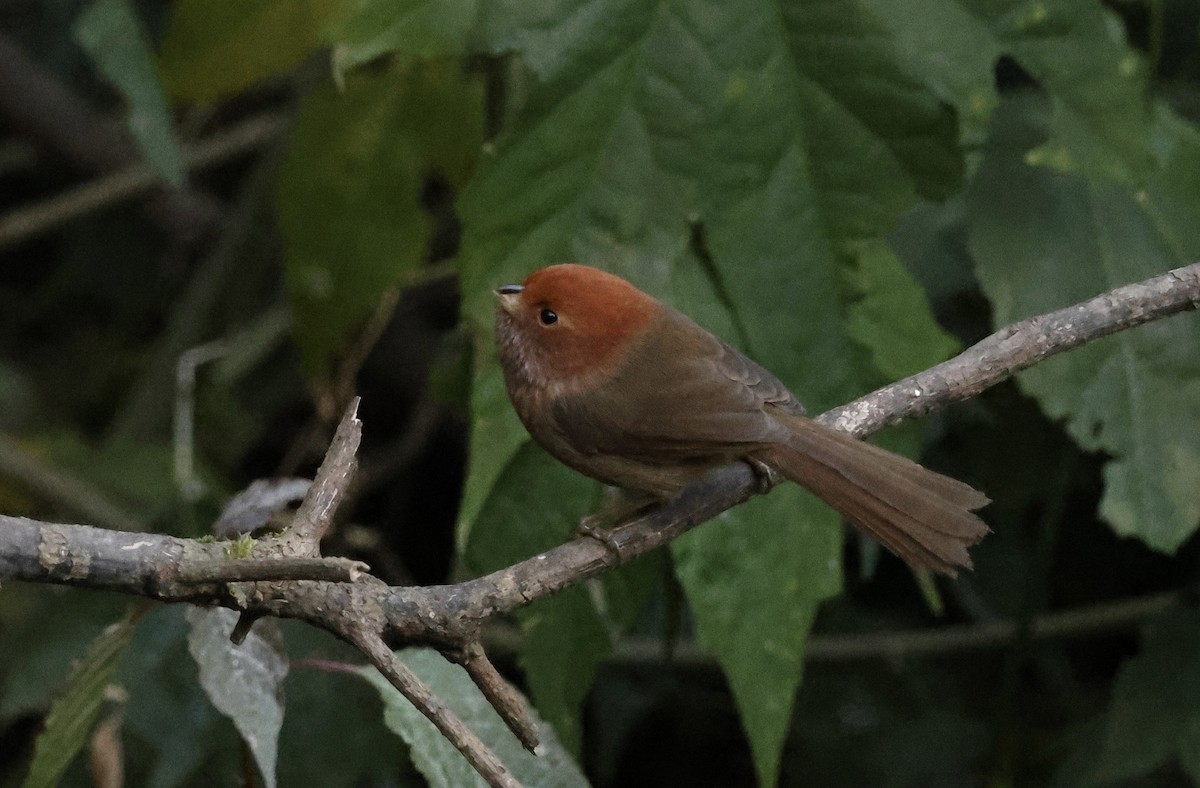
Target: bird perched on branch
(629, 391)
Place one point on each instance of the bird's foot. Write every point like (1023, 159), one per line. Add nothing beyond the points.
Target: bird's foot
(764, 474)
(594, 527)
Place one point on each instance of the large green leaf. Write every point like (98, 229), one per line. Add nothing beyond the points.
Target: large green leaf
(892, 317)
(564, 644)
(1075, 49)
(349, 195)
(859, 104)
(1043, 240)
(542, 502)
(420, 28)
(112, 34)
(496, 437)
(754, 577)
(213, 48)
(722, 157)
(1171, 191)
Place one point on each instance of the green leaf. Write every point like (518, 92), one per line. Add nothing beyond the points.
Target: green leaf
(333, 734)
(1043, 240)
(244, 681)
(931, 241)
(496, 437)
(754, 577)
(1075, 49)
(1170, 191)
(542, 503)
(1155, 712)
(52, 635)
(113, 36)
(564, 644)
(721, 157)
(214, 48)
(349, 194)
(442, 765)
(74, 712)
(626, 139)
(132, 472)
(418, 28)
(892, 319)
(862, 106)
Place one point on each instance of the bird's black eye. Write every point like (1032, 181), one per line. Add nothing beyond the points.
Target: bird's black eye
(548, 317)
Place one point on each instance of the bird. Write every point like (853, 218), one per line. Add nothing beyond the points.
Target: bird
(625, 389)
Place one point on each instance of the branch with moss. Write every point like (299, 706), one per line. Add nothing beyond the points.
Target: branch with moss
(359, 608)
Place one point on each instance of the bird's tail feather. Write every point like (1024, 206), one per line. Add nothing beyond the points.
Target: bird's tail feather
(922, 516)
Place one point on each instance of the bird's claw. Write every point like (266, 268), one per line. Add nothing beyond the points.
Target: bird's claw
(764, 474)
(590, 527)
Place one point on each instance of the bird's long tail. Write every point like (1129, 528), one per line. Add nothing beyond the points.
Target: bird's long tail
(922, 516)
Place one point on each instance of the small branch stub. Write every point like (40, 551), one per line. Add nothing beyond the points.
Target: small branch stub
(507, 702)
(333, 570)
(329, 487)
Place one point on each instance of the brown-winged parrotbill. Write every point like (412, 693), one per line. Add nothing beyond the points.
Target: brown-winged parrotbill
(627, 390)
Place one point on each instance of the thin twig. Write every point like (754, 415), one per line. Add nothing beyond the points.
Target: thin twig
(507, 702)
(899, 645)
(1019, 346)
(133, 181)
(315, 515)
(332, 570)
(342, 385)
(465, 740)
(146, 411)
(190, 486)
(325, 665)
(242, 628)
(1059, 625)
(333, 477)
(37, 104)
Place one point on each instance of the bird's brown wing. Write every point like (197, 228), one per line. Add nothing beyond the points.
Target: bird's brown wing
(680, 394)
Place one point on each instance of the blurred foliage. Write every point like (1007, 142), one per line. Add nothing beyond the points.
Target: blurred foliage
(74, 712)
(113, 36)
(850, 191)
(357, 162)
